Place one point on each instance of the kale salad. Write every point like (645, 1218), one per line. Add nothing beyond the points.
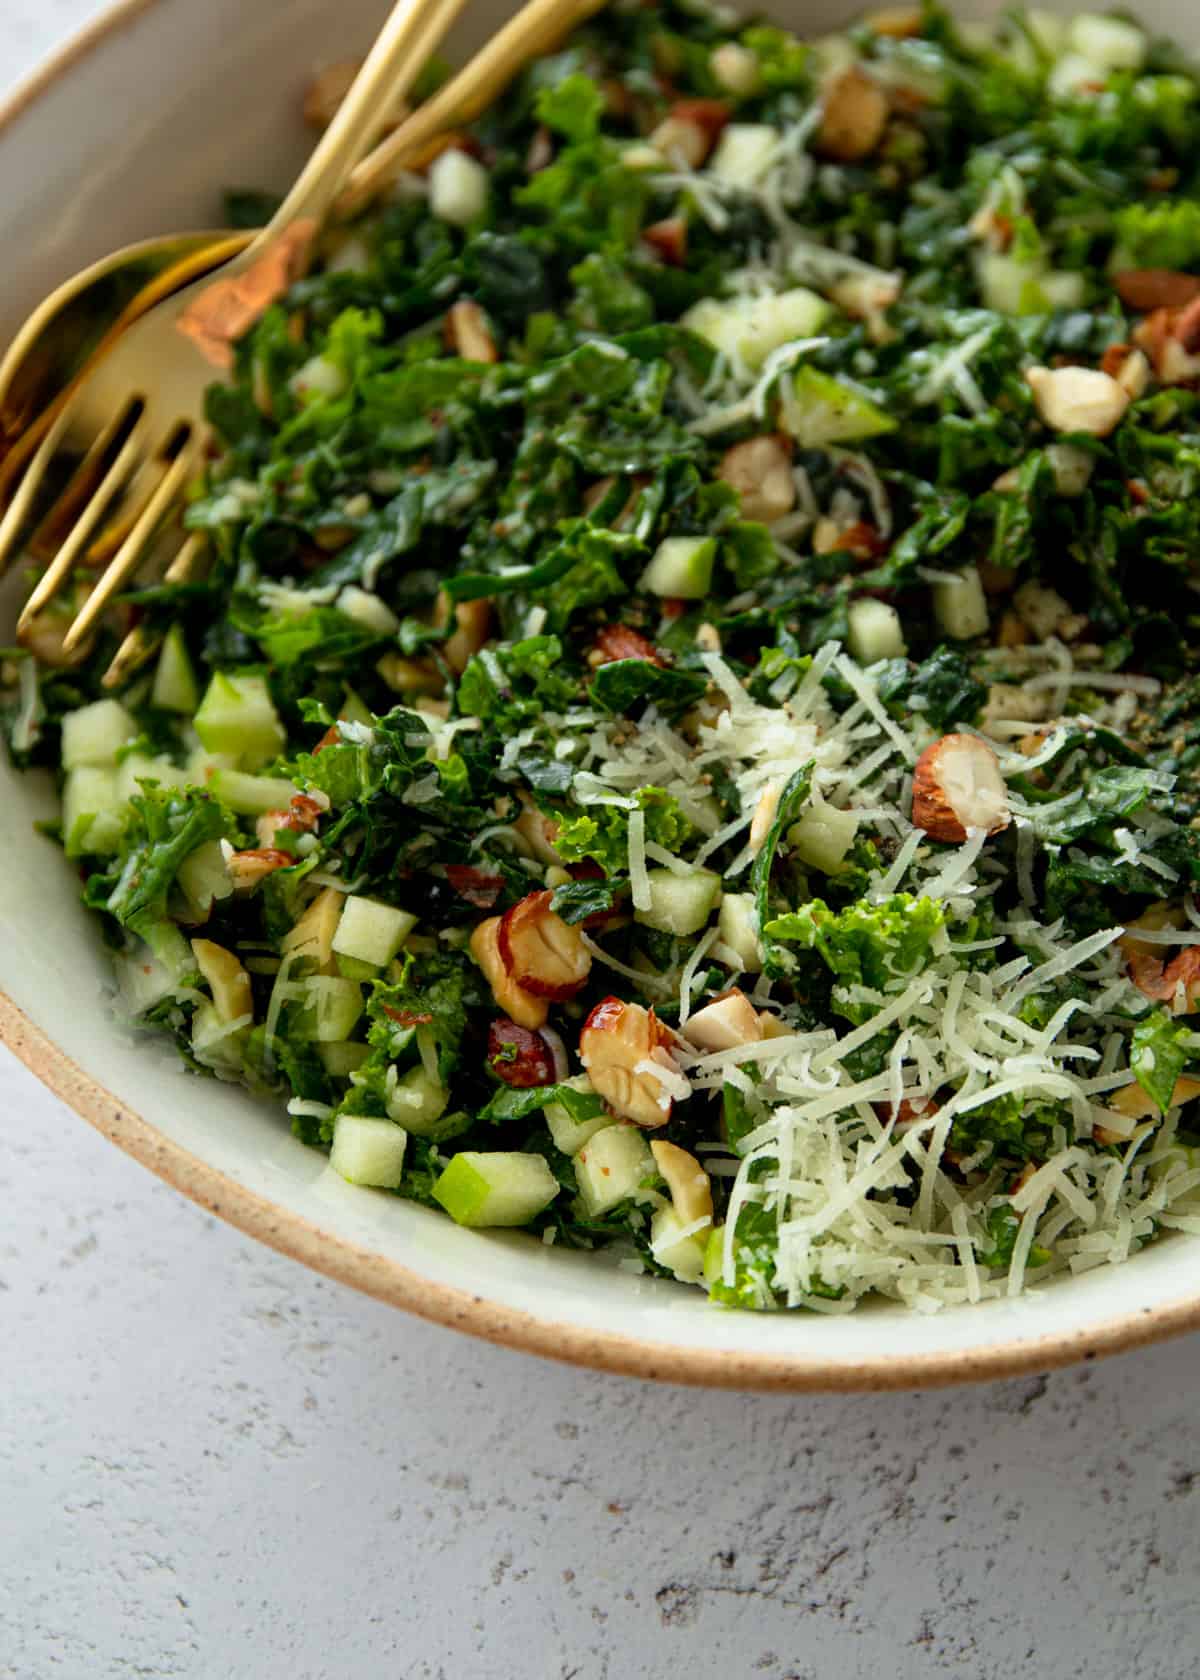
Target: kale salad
(688, 740)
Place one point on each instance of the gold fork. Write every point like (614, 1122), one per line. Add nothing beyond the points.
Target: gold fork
(136, 418)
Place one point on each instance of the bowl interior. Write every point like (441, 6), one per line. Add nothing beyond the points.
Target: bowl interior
(159, 149)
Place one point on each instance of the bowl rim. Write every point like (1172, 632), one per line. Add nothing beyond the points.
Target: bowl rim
(387, 1280)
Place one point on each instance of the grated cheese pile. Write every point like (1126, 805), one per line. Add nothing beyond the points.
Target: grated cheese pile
(832, 1156)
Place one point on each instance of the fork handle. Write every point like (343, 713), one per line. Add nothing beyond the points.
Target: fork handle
(528, 33)
(413, 31)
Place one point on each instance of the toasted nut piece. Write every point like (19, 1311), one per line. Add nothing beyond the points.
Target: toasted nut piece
(312, 936)
(908, 1111)
(47, 630)
(1136, 1104)
(1175, 365)
(1040, 608)
(1023, 1177)
(616, 1038)
(1177, 984)
(1152, 334)
(689, 1184)
(247, 869)
(541, 152)
(544, 954)
(669, 239)
(467, 332)
(854, 116)
(864, 295)
(518, 1004)
(1186, 328)
(992, 228)
(1135, 372)
(1011, 632)
(1145, 289)
(227, 979)
(760, 470)
(408, 676)
(301, 817)
(826, 533)
(1077, 399)
(1154, 920)
(618, 641)
(736, 69)
(858, 538)
(690, 130)
(728, 1020)
(475, 885)
(764, 816)
(1112, 361)
(897, 21)
(1008, 703)
(519, 1057)
(1129, 367)
(327, 90)
(681, 142)
(540, 831)
(473, 620)
(957, 786)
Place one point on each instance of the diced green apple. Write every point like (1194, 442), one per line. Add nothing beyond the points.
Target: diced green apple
(680, 904)
(368, 1152)
(1107, 42)
(331, 1007)
(213, 1044)
(137, 768)
(203, 877)
(93, 814)
(417, 1101)
(371, 932)
(681, 568)
(737, 927)
(611, 1167)
(142, 980)
(458, 187)
(960, 605)
(318, 378)
(823, 835)
(683, 1255)
(341, 1060)
(95, 734)
(495, 1187)
(748, 329)
(874, 631)
(250, 796)
(238, 716)
(826, 410)
(175, 688)
(743, 153)
(569, 1134)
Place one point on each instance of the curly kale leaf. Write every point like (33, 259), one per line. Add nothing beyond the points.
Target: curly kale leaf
(943, 688)
(792, 800)
(605, 837)
(168, 827)
(877, 946)
(1161, 1048)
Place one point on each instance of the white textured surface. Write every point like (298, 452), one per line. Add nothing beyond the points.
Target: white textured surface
(214, 1463)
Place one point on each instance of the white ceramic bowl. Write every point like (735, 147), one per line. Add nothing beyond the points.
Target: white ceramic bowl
(133, 130)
